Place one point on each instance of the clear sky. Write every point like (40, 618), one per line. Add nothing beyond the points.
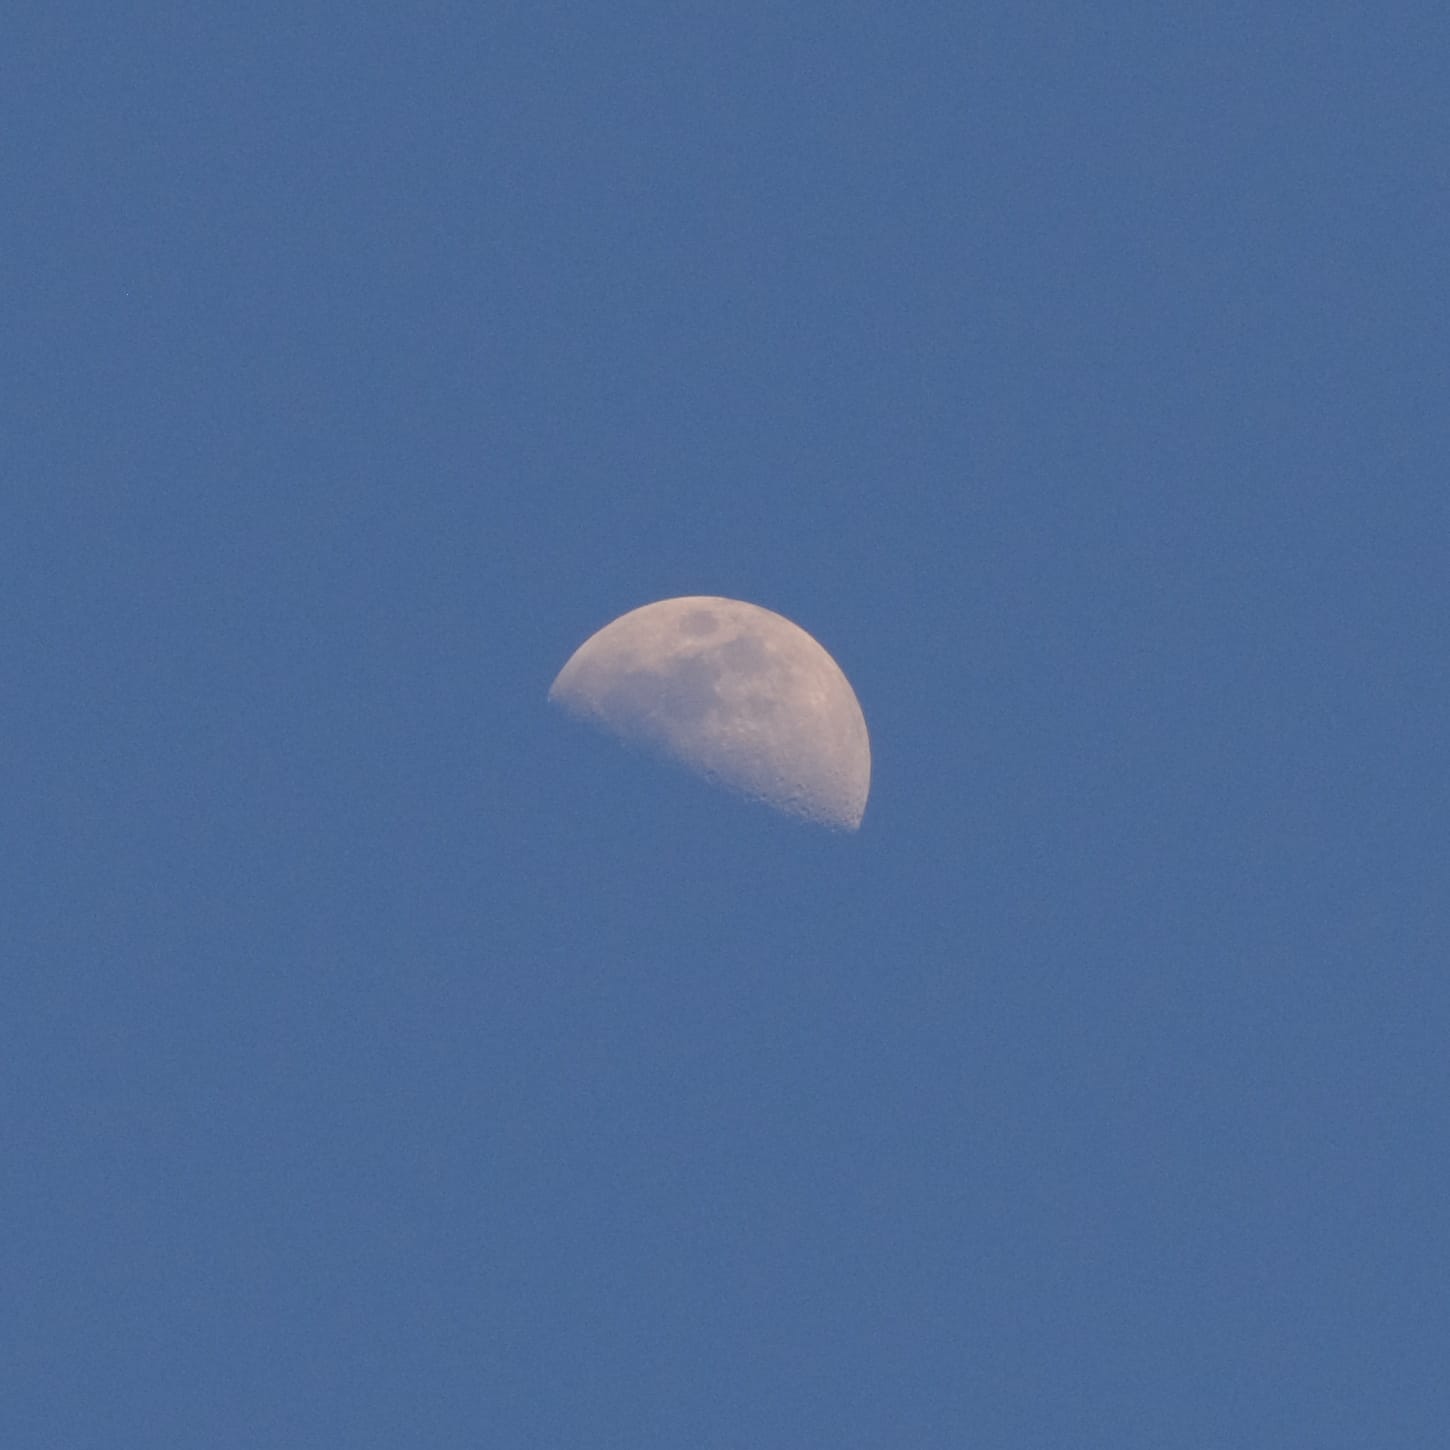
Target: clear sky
(386, 1060)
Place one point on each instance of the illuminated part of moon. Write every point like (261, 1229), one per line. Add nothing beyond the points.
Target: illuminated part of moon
(734, 692)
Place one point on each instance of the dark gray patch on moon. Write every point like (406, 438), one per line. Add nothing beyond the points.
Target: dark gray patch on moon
(699, 623)
(686, 691)
(745, 654)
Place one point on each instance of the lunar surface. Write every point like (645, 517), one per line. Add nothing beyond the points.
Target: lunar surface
(734, 692)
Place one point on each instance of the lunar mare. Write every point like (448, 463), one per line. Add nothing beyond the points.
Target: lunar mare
(734, 692)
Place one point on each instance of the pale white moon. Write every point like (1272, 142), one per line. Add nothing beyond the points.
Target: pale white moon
(738, 694)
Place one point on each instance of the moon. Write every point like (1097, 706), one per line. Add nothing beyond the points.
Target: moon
(733, 692)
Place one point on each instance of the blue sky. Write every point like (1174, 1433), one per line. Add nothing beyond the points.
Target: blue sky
(387, 1061)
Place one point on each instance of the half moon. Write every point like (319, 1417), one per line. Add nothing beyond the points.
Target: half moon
(734, 692)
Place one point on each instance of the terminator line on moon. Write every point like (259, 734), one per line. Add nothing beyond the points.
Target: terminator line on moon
(734, 692)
